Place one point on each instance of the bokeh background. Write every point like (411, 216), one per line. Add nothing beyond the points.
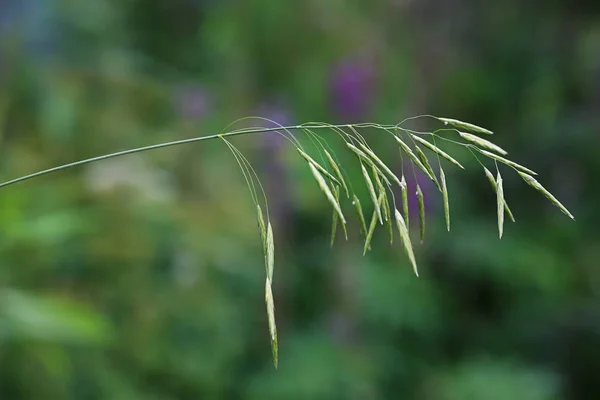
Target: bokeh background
(142, 277)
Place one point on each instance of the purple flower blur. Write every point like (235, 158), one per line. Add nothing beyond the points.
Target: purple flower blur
(274, 167)
(192, 102)
(352, 88)
(280, 115)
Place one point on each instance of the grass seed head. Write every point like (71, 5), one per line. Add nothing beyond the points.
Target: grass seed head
(493, 183)
(507, 162)
(465, 125)
(445, 197)
(437, 150)
(500, 202)
(271, 316)
(537, 186)
(405, 238)
(325, 189)
(486, 144)
(421, 202)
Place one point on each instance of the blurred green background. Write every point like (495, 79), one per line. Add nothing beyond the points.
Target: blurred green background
(142, 277)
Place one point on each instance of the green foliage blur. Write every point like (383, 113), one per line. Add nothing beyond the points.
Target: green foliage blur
(142, 277)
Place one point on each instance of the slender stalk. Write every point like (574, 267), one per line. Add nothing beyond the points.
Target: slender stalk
(161, 145)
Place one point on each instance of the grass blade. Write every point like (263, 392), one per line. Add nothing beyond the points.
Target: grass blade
(405, 237)
(507, 162)
(327, 191)
(445, 197)
(486, 144)
(337, 172)
(500, 197)
(493, 183)
(437, 150)
(372, 193)
(271, 316)
(465, 125)
(537, 186)
(421, 202)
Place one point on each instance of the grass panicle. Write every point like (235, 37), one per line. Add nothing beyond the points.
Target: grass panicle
(331, 184)
(465, 125)
(437, 150)
(531, 181)
(500, 198)
(325, 189)
(445, 198)
(493, 183)
(486, 144)
(405, 238)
